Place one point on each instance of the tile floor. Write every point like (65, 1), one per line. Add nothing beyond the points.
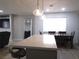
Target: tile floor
(62, 54)
(68, 54)
(4, 54)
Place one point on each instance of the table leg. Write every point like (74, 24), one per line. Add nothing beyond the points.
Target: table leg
(26, 53)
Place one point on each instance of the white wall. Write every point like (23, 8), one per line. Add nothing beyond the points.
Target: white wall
(18, 26)
(72, 23)
(37, 25)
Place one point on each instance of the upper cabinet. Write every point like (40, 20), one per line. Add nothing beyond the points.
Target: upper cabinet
(5, 22)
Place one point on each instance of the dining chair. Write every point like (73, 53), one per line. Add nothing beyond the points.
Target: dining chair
(43, 33)
(72, 37)
(62, 32)
(64, 41)
(60, 41)
(51, 32)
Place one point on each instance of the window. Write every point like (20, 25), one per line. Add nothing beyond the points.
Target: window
(54, 24)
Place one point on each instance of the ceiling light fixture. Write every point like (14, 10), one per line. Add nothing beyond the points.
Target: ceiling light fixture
(63, 9)
(43, 17)
(38, 11)
(1, 11)
(47, 10)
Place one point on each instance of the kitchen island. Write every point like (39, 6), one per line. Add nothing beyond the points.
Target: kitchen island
(39, 47)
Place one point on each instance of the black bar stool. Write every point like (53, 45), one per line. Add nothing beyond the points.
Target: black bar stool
(17, 52)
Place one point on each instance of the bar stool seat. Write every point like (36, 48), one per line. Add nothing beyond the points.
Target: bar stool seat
(17, 52)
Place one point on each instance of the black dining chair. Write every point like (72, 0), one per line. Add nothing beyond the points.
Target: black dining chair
(17, 52)
(51, 32)
(73, 33)
(60, 41)
(63, 41)
(27, 34)
(62, 32)
(43, 33)
(71, 38)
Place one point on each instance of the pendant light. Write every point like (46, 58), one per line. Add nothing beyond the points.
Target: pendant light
(38, 11)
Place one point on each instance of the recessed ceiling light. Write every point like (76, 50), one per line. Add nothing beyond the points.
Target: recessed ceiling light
(63, 9)
(1, 11)
(47, 10)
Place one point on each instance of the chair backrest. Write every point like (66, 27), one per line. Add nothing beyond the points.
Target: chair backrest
(43, 32)
(61, 41)
(51, 32)
(62, 32)
(26, 34)
(72, 34)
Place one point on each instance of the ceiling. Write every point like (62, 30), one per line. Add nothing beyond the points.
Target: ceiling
(26, 7)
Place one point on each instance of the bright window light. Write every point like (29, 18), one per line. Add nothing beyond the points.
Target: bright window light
(54, 24)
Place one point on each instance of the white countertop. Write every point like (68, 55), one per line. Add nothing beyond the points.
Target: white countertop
(38, 41)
